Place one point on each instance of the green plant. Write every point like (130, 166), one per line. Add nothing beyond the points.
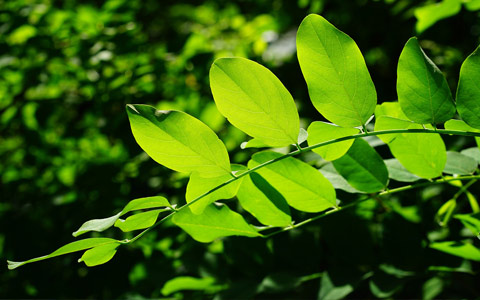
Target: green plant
(256, 102)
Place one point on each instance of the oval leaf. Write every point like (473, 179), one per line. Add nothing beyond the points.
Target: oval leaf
(398, 172)
(363, 168)
(68, 248)
(178, 141)
(214, 222)
(303, 187)
(183, 283)
(319, 132)
(459, 164)
(430, 14)
(198, 186)
(255, 101)
(263, 201)
(138, 221)
(423, 92)
(339, 84)
(468, 91)
(99, 255)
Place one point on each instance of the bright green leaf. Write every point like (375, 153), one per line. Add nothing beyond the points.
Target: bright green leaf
(68, 248)
(138, 221)
(303, 187)
(214, 222)
(178, 141)
(339, 84)
(423, 92)
(391, 109)
(99, 255)
(461, 126)
(253, 143)
(445, 212)
(432, 13)
(398, 172)
(263, 201)
(183, 283)
(468, 91)
(255, 101)
(98, 225)
(198, 185)
(319, 132)
(459, 164)
(461, 249)
(472, 5)
(363, 168)
(471, 221)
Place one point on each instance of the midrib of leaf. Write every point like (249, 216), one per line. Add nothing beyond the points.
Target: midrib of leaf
(260, 108)
(335, 69)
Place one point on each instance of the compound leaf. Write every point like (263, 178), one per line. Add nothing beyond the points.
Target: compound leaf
(255, 101)
(302, 186)
(319, 132)
(178, 141)
(198, 185)
(423, 92)
(339, 84)
(99, 255)
(68, 248)
(215, 222)
(363, 168)
(468, 91)
(263, 201)
(138, 221)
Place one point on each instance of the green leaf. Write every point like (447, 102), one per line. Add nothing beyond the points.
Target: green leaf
(461, 126)
(338, 282)
(339, 84)
(68, 248)
(214, 222)
(471, 221)
(198, 185)
(432, 288)
(459, 164)
(263, 201)
(430, 14)
(423, 92)
(178, 141)
(472, 5)
(100, 225)
(398, 172)
(445, 212)
(183, 283)
(363, 168)
(473, 152)
(338, 182)
(99, 255)
(253, 143)
(302, 186)
(422, 154)
(138, 221)
(468, 91)
(319, 132)
(391, 109)
(461, 249)
(255, 101)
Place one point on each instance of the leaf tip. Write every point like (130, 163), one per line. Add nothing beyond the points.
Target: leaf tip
(13, 264)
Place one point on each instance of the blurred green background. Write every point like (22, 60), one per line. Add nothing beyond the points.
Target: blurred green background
(67, 70)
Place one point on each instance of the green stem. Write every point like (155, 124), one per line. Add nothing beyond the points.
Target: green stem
(298, 151)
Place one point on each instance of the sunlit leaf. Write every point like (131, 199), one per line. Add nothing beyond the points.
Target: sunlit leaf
(460, 125)
(186, 283)
(255, 101)
(178, 141)
(363, 168)
(472, 5)
(445, 212)
(319, 132)
(98, 225)
(214, 222)
(461, 249)
(68, 248)
(302, 186)
(263, 201)
(198, 185)
(468, 91)
(99, 255)
(423, 91)
(432, 13)
(339, 84)
(138, 221)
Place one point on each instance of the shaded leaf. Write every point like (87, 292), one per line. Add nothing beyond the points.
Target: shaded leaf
(397, 171)
(303, 187)
(336, 179)
(255, 101)
(363, 168)
(468, 91)
(339, 84)
(214, 222)
(423, 92)
(178, 141)
(459, 164)
(319, 132)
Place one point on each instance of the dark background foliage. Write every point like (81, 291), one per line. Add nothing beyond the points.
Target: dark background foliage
(67, 70)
